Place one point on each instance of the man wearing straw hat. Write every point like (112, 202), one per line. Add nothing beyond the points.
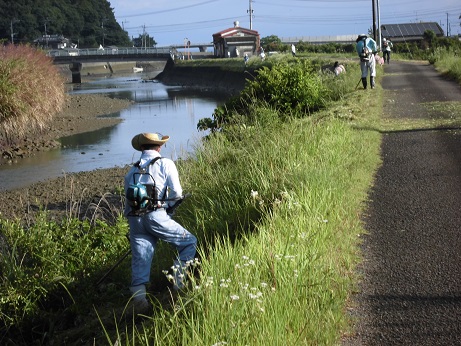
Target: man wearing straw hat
(146, 229)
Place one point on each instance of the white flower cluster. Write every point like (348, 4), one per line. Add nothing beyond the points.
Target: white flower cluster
(177, 272)
(284, 197)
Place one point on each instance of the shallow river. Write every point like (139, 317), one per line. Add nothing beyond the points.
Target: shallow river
(172, 111)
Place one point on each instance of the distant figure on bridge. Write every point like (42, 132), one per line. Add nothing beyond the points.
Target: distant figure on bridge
(293, 50)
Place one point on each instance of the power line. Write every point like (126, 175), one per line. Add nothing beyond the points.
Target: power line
(170, 10)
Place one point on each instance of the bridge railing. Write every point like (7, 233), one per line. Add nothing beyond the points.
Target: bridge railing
(107, 51)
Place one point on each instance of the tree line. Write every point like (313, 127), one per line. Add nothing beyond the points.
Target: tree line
(88, 23)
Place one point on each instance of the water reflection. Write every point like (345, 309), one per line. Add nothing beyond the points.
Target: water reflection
(169, 110)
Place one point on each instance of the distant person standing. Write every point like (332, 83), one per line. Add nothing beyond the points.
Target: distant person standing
(262, 54)
(387, 47)
(366, 49)
(293, 50)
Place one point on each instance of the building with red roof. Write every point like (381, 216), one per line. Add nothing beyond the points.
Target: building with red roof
(235, 42)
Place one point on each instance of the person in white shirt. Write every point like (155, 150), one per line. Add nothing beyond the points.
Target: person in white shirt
(156, 224)
(387, 47)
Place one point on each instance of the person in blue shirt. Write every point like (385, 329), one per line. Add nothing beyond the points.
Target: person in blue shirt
(366, 48)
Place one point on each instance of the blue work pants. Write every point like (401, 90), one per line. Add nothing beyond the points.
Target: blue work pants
(145, 231)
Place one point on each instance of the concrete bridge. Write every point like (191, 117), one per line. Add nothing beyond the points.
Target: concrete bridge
(75, 58)
(66, 56)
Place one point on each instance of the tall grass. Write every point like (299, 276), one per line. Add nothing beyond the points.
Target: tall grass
(31, 92)
(448, 62)
(279, 211)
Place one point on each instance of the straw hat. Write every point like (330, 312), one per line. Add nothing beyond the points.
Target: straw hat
(148, 139)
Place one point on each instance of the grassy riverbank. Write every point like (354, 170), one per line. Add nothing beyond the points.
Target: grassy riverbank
(276, 205)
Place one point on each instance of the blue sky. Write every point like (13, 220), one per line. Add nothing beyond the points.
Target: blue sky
(170, 22)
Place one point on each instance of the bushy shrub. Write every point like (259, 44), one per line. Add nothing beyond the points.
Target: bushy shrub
(31, 92)
(289, 88)
(294, 89)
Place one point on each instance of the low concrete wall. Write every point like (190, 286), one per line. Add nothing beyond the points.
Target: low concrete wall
(205, 77)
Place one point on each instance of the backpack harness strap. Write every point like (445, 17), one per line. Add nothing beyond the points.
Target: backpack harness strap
(137, 164)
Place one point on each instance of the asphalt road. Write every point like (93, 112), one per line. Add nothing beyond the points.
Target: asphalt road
(411, 288)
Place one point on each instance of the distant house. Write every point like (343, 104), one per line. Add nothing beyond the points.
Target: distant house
(409, 31)
(52, 41)
(235, 42)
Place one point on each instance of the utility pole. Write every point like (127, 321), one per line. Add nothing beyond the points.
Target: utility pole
(186, 45)
(250, 11)
(102, 28)
(143, 40)
(373, 3)
(379, 24)
(46, 37)
(13, 21)
(447, 25)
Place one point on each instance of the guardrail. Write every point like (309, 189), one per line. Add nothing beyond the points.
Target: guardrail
(107, 51)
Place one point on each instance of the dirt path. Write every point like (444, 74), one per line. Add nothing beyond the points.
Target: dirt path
(411, 289)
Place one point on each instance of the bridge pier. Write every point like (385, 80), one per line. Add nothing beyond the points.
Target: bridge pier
(76, 68)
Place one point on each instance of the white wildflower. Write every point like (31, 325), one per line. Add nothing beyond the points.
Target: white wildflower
(220, 343)
(255, 296)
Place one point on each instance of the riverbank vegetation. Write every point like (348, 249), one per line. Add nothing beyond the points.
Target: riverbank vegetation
(31, 92)
(275, 203)
(277, 198)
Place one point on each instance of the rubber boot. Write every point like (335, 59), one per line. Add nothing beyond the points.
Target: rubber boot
(140, 305)
(372, 82)
(364, 82)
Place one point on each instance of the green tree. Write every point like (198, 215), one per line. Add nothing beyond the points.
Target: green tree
(88, 22)
(271, 43)
(144, 41)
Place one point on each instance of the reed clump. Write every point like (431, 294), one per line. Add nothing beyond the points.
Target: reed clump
(31, 92)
